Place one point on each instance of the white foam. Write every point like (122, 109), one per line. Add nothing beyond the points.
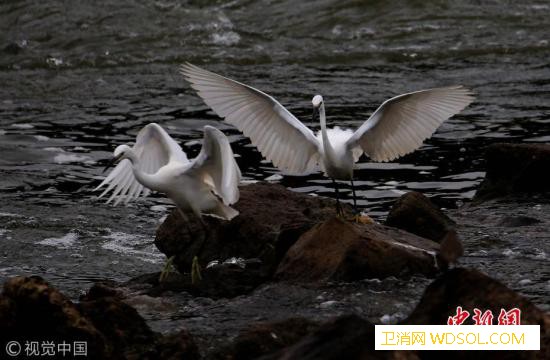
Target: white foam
(227, 38)
(63, 242)
(54, 61)
(510, 253)
(5, 214)
(65, 158)
(22, 126)
(391, 319)
(41, 138)
(54, 149)
(139, 246)
(479, 253)
(385, 319)
(540, 254)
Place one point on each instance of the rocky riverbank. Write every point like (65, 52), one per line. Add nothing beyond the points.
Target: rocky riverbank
(287, 279)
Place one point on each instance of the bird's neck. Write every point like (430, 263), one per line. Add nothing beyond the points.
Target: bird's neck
(147, 180)
(327, 147)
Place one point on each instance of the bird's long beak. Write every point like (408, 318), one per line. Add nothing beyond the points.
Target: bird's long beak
(112, 162)
(315, 113)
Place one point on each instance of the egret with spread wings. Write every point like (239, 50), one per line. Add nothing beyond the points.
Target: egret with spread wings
(397, 127)
(208, 184)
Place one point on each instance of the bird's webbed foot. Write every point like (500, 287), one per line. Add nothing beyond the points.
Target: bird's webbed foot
(361, 218)
(168, 268)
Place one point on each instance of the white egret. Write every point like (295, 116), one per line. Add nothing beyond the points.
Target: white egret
(397, 127)
(208, 184)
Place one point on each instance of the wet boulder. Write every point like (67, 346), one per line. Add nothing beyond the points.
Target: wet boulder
(128, 334)
(450, 249)
(271, 219)
(346, 337)
(32, 310)
(471, 289)
(126, 331)
(342, 250)
(515, 170)
(415, 213)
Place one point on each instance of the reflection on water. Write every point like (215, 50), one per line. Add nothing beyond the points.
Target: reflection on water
(78, 78)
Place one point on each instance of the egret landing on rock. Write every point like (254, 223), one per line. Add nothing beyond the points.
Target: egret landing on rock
(206, 185)
(397, 127)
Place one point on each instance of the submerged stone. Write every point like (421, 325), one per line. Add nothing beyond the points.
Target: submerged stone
(515, 170)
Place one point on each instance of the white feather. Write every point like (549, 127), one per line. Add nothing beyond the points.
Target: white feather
(397, 127)
(260, 117)
(402, 123)
(158, 163)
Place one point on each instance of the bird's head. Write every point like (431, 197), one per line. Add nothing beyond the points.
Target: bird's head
(317, 101)
(121, 152)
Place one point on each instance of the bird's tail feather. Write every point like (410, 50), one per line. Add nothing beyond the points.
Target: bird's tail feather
(223, 211)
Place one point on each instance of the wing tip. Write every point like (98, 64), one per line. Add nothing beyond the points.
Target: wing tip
(465, 91)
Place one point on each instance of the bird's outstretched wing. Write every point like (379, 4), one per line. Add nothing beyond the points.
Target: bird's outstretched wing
(217, 166)
(278, 135)
(402, 123)
(154, 148)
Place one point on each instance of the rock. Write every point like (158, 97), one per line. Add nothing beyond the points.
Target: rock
(265, 338)
(341, 250)
(415, 213)
(31, 310)
(271, 219)
(347, 337)
(515, 170)
(450, 249)
(176, 346)
(35, 311)
(127, 333)
(471, 289)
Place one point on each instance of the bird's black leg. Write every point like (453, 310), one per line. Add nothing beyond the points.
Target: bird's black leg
(339, 210)
(355, 210)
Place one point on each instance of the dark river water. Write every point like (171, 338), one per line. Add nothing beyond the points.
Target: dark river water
(78, 78)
